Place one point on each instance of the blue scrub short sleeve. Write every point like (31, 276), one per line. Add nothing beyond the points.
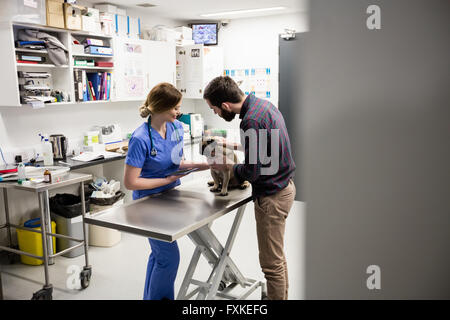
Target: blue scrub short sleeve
(137, 152)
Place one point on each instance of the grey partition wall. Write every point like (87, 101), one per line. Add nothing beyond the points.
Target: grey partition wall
(376, 150)
(290, 68)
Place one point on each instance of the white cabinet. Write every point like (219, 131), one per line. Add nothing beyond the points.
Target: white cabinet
(196, 66)
(140, 65)
(160, 62)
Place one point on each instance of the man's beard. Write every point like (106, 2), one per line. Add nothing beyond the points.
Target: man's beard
(227, 115)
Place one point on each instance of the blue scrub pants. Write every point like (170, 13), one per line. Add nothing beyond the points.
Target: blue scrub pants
(161, 270)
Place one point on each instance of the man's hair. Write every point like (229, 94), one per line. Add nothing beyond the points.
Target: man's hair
(222, 89)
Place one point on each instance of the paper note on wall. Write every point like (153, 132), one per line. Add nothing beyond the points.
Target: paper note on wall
(252, 80)
(134, 86)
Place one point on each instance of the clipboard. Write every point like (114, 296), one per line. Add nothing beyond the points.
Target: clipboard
(182, 172)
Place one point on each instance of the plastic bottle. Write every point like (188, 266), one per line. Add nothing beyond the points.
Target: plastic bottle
(21, 171)
(47, 153)
(47, 176)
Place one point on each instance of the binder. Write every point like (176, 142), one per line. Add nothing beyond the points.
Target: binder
(78, 83)
(91, 91)
(94, 78)
(85, 86)
(109, 87)
(105, 79)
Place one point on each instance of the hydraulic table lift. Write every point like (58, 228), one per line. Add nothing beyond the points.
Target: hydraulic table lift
(189, 210)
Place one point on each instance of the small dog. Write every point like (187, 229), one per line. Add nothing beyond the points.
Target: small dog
(223, 179)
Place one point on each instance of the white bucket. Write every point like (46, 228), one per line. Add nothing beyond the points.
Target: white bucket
(101, 236)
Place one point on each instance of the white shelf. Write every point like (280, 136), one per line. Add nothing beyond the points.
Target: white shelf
(30, 50)
(91, 55)
(69, 102)
(95, 101)
(89, 34)
(93, 68)
(42, 65)
(51, 104)
(38, 26)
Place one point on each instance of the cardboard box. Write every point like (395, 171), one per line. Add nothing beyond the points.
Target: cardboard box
(72, 16)
(121, 12)
(28, 11)
(121, 24)
(90, 24)
(186, 33)
(106, 8)
(134, 27)
(95, 13)
(107, 23)
(55, 13)
(77, 49)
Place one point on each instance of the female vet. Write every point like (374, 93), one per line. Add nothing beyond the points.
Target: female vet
(154, 152)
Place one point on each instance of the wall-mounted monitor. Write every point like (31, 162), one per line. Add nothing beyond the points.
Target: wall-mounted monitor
(205, 33)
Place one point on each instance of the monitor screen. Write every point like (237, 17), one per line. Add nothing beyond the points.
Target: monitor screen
(205, 33)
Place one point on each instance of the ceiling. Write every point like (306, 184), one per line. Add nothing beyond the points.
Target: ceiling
(191, 9)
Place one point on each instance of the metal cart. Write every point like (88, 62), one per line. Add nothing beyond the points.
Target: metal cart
(42, 191)
(189, 210)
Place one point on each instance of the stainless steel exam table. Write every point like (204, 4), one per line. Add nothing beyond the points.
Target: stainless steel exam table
(189, 210)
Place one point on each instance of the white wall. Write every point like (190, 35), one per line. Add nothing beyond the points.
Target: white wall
(19, 129)
(252, 43)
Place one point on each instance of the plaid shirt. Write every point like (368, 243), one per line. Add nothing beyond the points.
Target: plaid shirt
(259, 114)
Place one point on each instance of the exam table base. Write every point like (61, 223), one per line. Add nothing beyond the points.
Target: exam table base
(224, 269)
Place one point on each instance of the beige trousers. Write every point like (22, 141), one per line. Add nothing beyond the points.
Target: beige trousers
(271, 213)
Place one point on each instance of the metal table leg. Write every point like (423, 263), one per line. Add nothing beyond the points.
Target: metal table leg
(189, 273)
(220, 268)
(48, 225)
(8, 228)
(1, 286)
(85, 275)
(223, 267)
(46, 292)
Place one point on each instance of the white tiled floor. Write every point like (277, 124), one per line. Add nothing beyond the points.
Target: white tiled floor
(119, 271)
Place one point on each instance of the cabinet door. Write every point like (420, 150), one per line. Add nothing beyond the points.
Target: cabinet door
(212, 64)
(130, 79)
(193, 71)
(180, 64)
(160, 63)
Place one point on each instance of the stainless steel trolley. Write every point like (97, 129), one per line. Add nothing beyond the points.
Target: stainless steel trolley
(189, 210)
(42, 190)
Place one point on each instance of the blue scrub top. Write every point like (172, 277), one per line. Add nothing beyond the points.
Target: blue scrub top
(167, 160)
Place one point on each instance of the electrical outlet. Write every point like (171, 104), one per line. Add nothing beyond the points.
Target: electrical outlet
(26, 153)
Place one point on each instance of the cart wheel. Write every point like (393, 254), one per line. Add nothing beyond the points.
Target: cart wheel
(222, 285)
(43, 294)
(85, 277)
(11, 257)
(264, 291)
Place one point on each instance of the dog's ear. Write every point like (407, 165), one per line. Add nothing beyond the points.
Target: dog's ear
(206, 141)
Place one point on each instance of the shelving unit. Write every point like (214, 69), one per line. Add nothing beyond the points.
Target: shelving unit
(156, 64)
